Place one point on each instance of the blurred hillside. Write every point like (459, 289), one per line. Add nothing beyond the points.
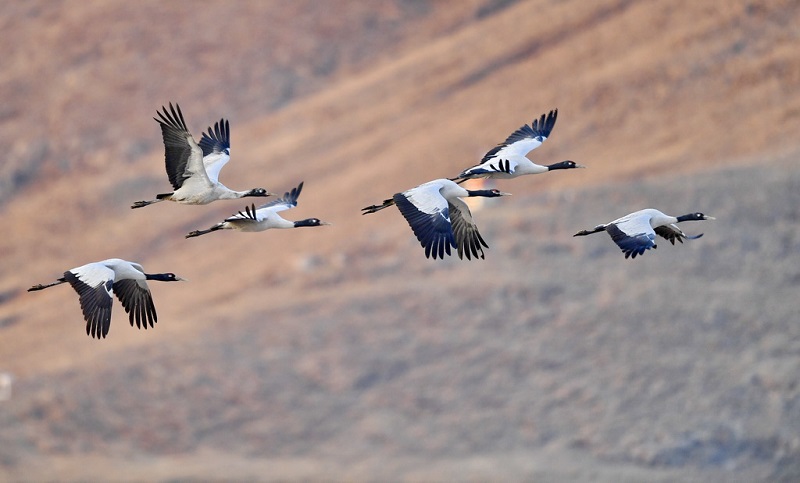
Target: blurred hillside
(341, 352)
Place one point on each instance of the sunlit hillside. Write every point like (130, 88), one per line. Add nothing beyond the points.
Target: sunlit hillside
(341, 352)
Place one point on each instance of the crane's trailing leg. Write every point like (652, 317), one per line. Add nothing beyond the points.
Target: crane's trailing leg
(140, 204)
(596, 229)
(44, 286)
(203, 232)
(374, 208)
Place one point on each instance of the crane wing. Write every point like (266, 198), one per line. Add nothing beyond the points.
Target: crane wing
(216, 146)
(466, 233)
(287, 201)
(138, 302)
(427, 212)
(671, 232)
(496, 164)
(183, 156)
(501, 158)
(632, 235)
(94, 284)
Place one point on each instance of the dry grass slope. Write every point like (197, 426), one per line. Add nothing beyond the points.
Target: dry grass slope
(341, 351)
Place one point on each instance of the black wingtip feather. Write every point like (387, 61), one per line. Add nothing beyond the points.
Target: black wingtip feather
(433, 231)
(217, 139)
(541, 127)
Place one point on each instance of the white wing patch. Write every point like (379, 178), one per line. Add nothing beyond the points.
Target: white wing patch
(520, 148)
(427, 198)
(214, 163)
(94, 274)
(636, 222)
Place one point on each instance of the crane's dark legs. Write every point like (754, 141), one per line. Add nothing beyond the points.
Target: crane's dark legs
(44, 286)
(159, 197)
(203, 232)
(374, 208)
(596, 229)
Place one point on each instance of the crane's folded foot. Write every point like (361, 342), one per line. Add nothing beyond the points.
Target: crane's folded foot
(374, 208)
(140, 204)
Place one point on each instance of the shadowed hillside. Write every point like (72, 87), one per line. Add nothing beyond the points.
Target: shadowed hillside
(341, 352)
(679, 364)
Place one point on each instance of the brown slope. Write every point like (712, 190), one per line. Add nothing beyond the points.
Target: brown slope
(547, 348)
(81, 81)
(631, 103)
(643, 88)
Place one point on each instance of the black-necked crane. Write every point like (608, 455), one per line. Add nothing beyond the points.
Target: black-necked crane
(193, 169)
(636, 232)
(97, 283)
(439, 217)
(508, 159)
(264, 217)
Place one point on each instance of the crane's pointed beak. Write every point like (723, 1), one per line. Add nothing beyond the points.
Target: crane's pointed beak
(710, 218)
(179, 279)
(579, 165)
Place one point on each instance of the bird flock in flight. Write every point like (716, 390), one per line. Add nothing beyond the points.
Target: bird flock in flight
(434, 210)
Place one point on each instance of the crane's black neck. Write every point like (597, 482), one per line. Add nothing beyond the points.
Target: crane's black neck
(596, 229)
(161, 277)
(258, 192)
(562, 165)
(485, 193)
(691, 217)
(308, 222)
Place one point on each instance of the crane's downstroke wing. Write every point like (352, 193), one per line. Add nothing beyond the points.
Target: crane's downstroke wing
(427, 212)
(466, 233)
(94, 285)
(138, 302)
(672, 232)
(641, 238)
